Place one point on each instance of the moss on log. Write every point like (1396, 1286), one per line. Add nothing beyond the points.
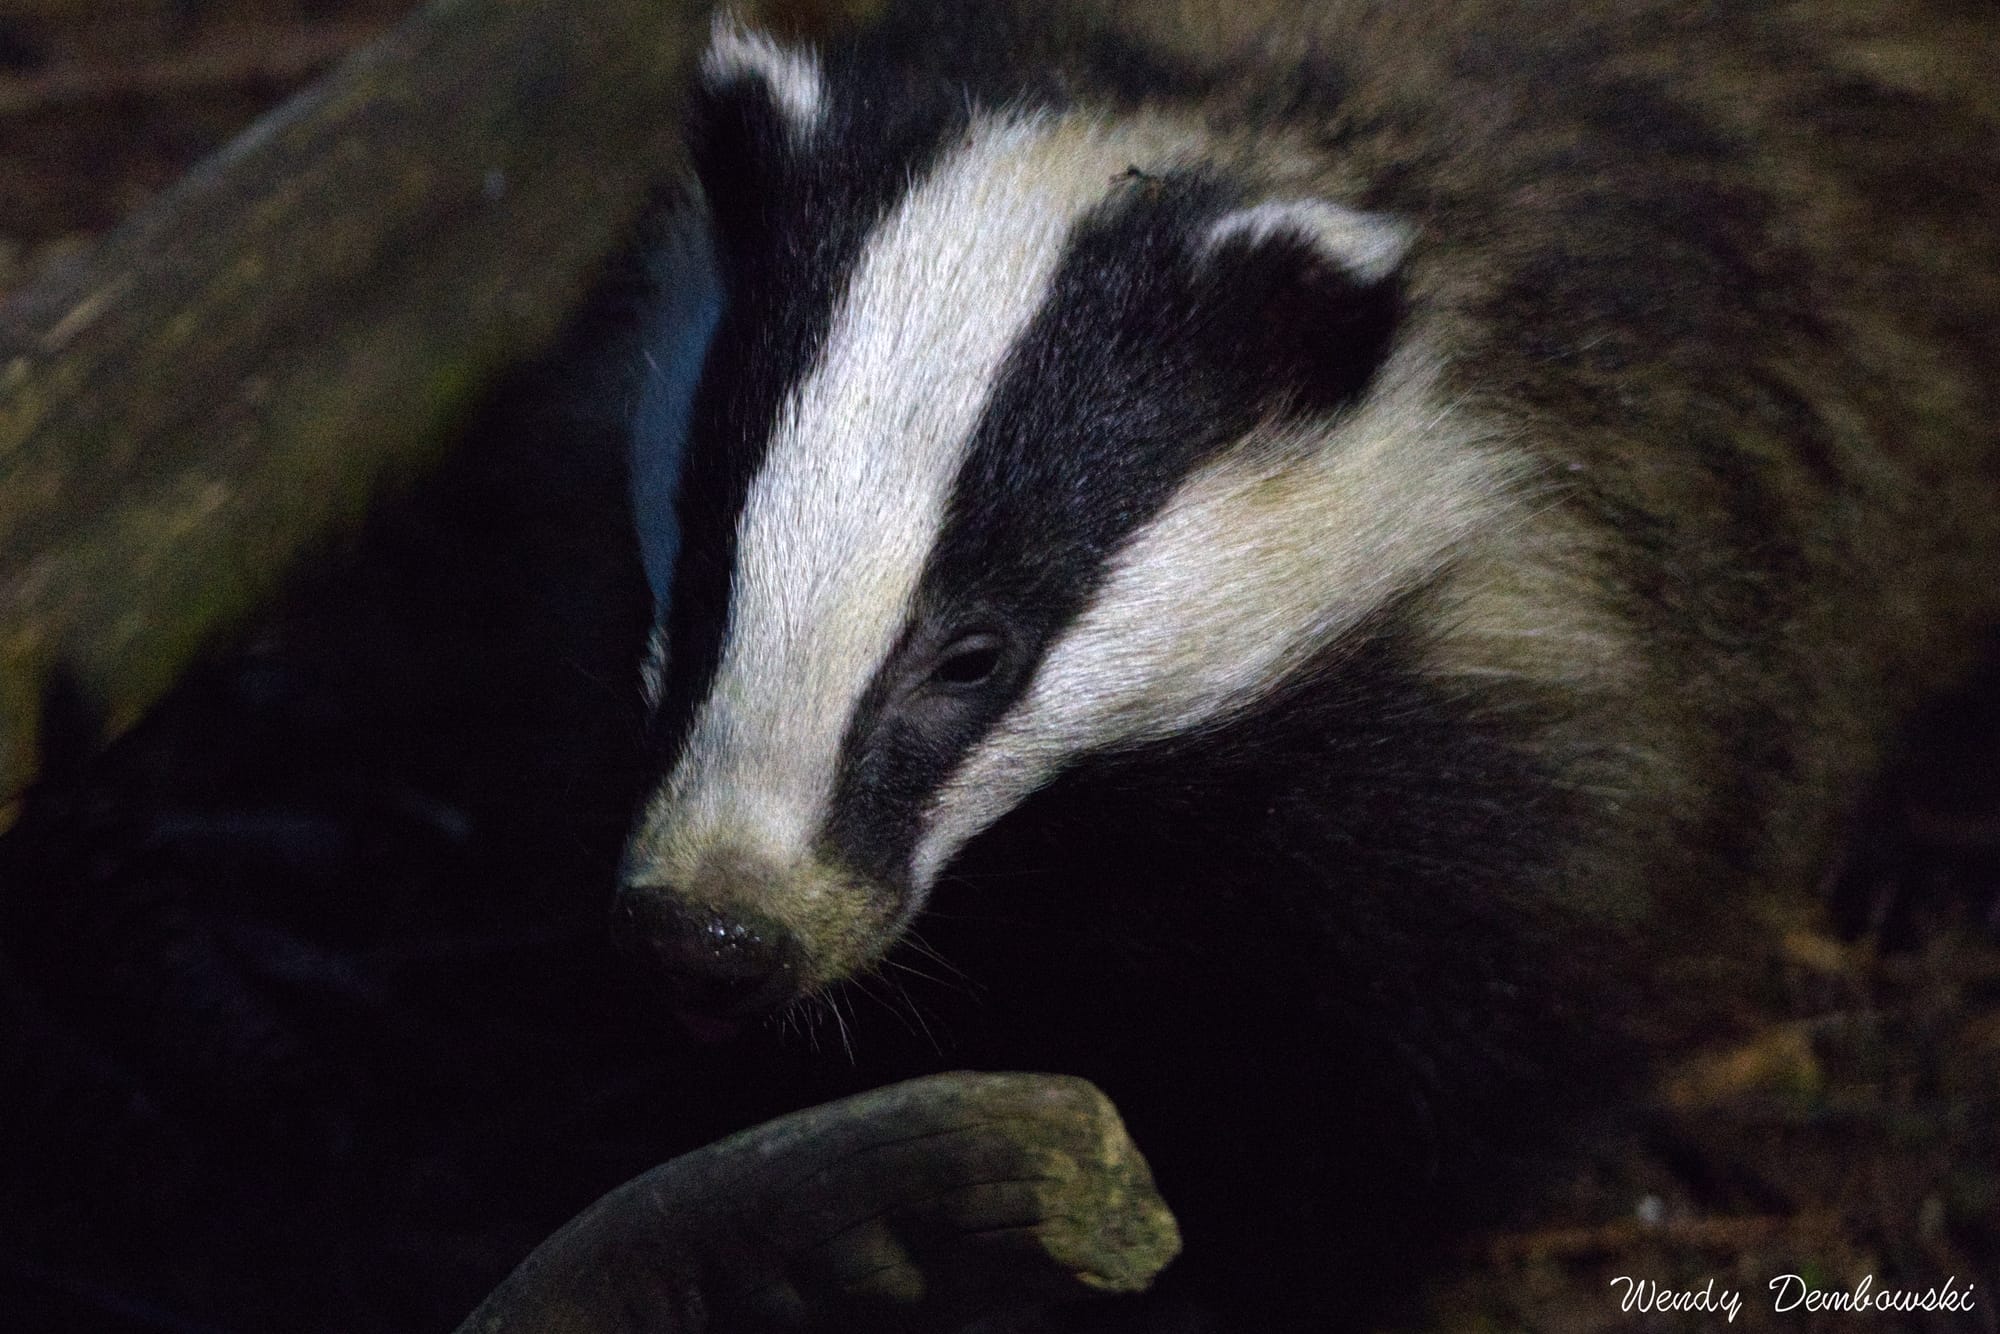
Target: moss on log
(233, 373)
(916, 1208)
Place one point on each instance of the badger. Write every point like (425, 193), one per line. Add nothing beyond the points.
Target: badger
(1332, 557)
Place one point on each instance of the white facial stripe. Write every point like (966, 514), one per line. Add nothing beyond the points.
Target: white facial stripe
(1367, 245)
(793, 76)
(1259, 560)
(853, 492)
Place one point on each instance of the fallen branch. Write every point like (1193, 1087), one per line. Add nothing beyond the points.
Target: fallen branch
(917, 1208)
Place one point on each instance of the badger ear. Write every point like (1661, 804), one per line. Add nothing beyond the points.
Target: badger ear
(1316, 292)
(1370, 247)
(743, 62)
(757, 106)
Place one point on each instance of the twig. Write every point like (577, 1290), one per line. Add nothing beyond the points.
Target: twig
(233, 58)
(1607, 1239)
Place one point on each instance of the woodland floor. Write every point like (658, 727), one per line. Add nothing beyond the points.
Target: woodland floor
(1849, 1124)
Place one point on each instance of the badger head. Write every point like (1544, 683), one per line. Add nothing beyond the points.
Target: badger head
(1029, 431)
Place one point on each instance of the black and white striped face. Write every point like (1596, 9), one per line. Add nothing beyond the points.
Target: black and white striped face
(1029, 432)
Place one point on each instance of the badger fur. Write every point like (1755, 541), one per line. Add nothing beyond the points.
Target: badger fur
(1352, 545)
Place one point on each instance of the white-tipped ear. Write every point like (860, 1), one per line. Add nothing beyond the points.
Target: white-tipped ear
(790, 75)
(1367, 245)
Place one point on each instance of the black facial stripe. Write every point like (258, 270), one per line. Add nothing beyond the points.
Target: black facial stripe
(1101, 407)
(1110, 398)
(1152, 352)
(791, 221)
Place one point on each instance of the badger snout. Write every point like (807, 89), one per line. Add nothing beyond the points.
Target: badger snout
(731, 931)
(712, 963)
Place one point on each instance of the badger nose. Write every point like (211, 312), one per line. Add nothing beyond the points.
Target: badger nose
(712, 963)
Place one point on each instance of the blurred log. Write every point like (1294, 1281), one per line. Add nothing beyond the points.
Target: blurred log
(233, 373)
(278, 55)
(916, 1208)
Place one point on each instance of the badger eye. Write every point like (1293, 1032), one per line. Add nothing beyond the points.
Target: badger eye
(969, 661)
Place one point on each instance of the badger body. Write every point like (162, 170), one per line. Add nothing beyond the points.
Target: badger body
(1345, 553)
